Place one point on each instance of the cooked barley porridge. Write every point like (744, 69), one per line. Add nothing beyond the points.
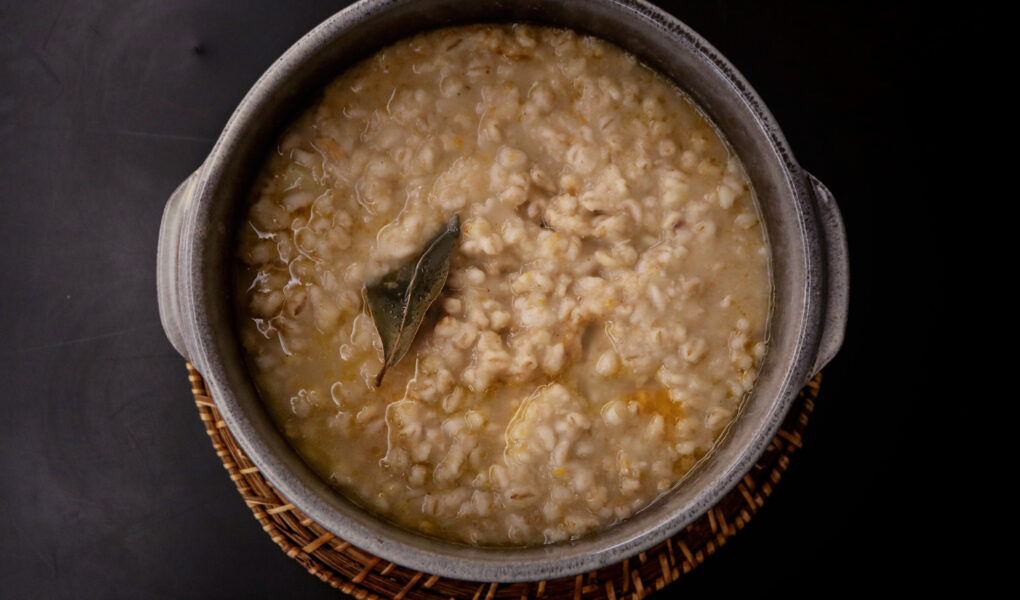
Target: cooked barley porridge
(607, 300)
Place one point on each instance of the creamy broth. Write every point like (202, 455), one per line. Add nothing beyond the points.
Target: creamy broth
(607, 303)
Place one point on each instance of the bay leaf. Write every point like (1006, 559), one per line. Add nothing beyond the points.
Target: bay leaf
(399, 299)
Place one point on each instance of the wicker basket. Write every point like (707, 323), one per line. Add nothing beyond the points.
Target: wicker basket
(368, 577)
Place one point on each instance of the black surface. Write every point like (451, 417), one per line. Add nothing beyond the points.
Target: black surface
(108, 485)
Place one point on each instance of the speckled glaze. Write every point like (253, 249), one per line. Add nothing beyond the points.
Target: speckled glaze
(801, 217)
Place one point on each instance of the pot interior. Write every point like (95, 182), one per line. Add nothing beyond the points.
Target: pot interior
(293, 83)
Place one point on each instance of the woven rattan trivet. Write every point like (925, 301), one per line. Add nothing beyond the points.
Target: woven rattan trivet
(368, 577)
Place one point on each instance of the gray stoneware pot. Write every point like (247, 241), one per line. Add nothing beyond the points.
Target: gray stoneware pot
(804, 228)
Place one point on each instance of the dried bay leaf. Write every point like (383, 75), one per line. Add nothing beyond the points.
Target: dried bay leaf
(398, 300)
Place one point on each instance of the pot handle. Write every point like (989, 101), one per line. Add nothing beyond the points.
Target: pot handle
(837, 274)
(167, 258)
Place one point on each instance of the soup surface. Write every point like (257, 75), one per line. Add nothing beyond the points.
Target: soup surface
(607, 300)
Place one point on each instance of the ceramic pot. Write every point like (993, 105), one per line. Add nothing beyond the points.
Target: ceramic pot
(802, 221)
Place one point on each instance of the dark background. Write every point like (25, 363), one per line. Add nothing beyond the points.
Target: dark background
(108, 485)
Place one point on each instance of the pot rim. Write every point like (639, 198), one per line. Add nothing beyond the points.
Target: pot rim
(436, 556)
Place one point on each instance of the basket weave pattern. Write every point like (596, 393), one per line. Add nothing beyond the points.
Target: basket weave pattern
(368, 577)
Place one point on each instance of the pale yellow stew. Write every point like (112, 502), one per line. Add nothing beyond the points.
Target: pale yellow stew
(607, 301)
